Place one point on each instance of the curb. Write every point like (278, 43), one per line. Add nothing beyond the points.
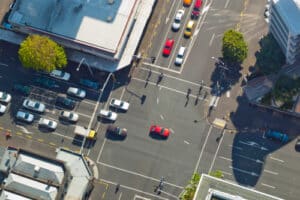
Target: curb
(94, 167)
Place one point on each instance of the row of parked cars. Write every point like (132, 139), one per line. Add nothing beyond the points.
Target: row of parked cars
(187, 32)
(5, 99)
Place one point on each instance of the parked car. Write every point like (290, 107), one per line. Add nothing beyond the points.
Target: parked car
(159, 131)
(107, 114)
(297, 145)
(189, 29)
(180, 56)
(25, 90)
(76, 92)
(116, 103)
(60, 75)
(177, 20)
(69, 116)
(168, 47)
(196, 9)
(25, 116)
(275, 135)
(47, 123)
(46, 82)
(5, 97)
(117, 131)
(2, 109)
(187, 2)
(34, 105)
(65, 102)
(90, 84)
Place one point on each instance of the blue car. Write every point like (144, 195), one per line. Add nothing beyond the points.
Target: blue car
(275, 135)
(90, 84)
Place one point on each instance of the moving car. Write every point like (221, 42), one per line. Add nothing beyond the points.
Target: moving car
(160, 131)
(275, 135)
(47, 123)
(180, 55)
(69, 116)
(60, 75)
(5, 97)
(177, 20)
(107, 114)
(2, 109)
(24, 116)
(65, 102)
(76, 92)
(90, 84)
(196, 9)
(116, 103)
(168, 47)
(187, 2)
(34, 105)
(117, 131)
(189, 29)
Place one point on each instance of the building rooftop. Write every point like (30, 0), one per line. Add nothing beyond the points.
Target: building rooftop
(6, 195)
(210, 188)
(290, 12)
(98, 23)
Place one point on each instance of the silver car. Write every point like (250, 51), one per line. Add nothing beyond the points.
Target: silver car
(47, 123)
(60, 75)
(34, 105)
(177, 20)
(25, 116)
(76, 92)
(107, 114)
(2, 109)
(116, 103)
(5, 97)
(69, 116)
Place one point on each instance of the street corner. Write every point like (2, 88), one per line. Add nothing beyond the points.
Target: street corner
(93, 167)
(100, 190)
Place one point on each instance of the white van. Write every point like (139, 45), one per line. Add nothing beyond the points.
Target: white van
(180, 55)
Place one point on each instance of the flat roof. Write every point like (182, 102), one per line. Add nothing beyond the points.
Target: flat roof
(290, 12)
(101, 23)
(210, 186)
(9, 195)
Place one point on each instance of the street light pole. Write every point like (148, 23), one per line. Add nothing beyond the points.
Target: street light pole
(89, 68)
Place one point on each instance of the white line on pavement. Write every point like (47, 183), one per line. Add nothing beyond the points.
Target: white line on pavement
(120, 196)
(162, 117)
(244, 171)
(234, 147)
(228, 94)
(157, 100)
(270, 172)
(248, 158)
(138, 174)
(225, 158)
(202, 150)
(186, 142)
(172, 131)
(226, 4)
(138, 197)
(214, 159)
(3, 64)
(211, 39)
(169, 194)
(227, 173)
(84, 115)
(101, 149)
(170, 11)
(24, 129)
(87, 102)
(270, 186)
(62, 135)
(123, 91)
(134, 189)
(276, 159)
(161, 68)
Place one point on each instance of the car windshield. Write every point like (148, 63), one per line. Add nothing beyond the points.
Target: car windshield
(188, 29)
(50, 123)
(179, 56)
(3, 96)
(177, 21)
(109, 114)
(26, 115)
(37, 105)
(71, 115)
(162, 131)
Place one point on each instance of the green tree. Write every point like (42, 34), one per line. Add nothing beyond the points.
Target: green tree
(190, 189)
(217, 174)
(41, 53)
(234, 47)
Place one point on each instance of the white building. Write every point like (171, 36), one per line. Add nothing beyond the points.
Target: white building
(285, 26)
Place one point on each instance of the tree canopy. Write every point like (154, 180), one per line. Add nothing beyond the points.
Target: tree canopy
(41, 53)
(235, 48)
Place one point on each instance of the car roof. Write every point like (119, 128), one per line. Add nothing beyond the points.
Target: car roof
(190, 23)
(198, 3)
(181, 50)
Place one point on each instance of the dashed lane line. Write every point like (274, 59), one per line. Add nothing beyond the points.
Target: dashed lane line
(271, 172)
(269, 186)
(277, 159)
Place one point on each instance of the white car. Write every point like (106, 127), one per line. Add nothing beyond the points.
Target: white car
(34, 105)
(47, 123)
(2, 109)
(116, 103)
(177, 20)
(5, 97)
(70, 116)
(180, 56)
(25, 116)
(76, 92)
(60, 75)
(107, 114)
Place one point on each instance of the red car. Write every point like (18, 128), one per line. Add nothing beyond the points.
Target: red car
(196, 10)
(168, 47)
(160, 131)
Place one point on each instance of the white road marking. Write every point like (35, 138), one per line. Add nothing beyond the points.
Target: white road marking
(134, 189)
(138, 197)
(213, 99)
(228, 94)
(248, 158)
(202, 150)
(271, 172)
(234, 147)
(120, 195)
(162, 117)
(170, 10)
(226, 4)
(217, 151)
(186, 142)
(211, 39)
(84, 115)
(157, 100)
(244, 171)
(101, 149)
(162, 68)
(227, 173)
(270, 186)
(169, 194)
(254, 145)
(62, 135)
(138, 174)
(88, 102)
(123, 91)
(225, 158)
(216, 102)
(24, 129)
(276, 159)
(3, 64)
(172, 131)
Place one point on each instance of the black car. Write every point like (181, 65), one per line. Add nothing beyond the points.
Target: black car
(297, 145)
(117, 131)
(65, 102)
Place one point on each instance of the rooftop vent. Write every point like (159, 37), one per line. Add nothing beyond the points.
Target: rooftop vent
(111, 1)
(36, 171)
(109, 18)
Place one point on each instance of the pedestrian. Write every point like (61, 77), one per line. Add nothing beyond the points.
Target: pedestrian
(188, 92)
(160, 77)
(149, 74)
(117, 187)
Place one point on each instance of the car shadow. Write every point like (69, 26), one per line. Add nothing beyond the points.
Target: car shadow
(114, 137)
(157, 137)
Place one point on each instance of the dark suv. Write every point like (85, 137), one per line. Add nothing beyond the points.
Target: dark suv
(65, 102)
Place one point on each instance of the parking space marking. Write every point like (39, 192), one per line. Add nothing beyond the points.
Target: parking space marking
(138, 174)
(186, 142)
(228, 159)
(248, 158)
(227, 173)
(162, 117)
(138, 197)
(244, 171)
(157, 100)
(270, 186)
(137, 190)
(88, 102)
(4, 64)
(84, 115)
(277, 159)
(217, 151)
(271, 172)
(235, 147)
(52, 144)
